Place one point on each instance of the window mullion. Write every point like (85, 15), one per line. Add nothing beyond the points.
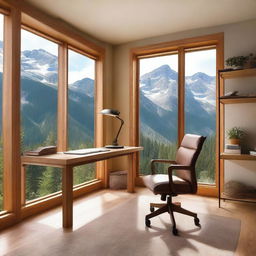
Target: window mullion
(63, 97)
(181, 94)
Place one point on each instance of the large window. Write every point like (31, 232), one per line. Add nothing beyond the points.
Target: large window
(158, 109)
(81, 98)
(177, 95)
(200, 107)
(1, 102)
(48, 99)
(39, 92)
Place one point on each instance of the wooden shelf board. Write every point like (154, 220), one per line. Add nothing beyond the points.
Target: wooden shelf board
(237, 157)
(238, 100)
(238, 73)
(245, 199)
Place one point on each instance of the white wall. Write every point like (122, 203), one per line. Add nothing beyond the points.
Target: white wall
(239, 39)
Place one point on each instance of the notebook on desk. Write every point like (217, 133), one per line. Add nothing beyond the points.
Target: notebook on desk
(86, 151)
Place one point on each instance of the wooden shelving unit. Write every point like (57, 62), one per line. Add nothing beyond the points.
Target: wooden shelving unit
(238, 100)
(222, 75)
(238, 73)
(237, 157)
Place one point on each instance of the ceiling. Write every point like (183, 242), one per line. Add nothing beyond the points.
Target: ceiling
(121, 21)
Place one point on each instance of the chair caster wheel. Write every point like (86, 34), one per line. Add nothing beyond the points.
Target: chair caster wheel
(147, 223)
(152, 209)
(197, 222)
(175, 231)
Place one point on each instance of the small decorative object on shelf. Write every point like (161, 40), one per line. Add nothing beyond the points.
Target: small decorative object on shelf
(235, 134)
(253, 153)
(251, 62)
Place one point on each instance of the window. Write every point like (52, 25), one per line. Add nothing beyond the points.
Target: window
(39, 92)
(1, 102)
(81, 98)
(178, 95)
(158, 109)
(33, 101)
(200, 107)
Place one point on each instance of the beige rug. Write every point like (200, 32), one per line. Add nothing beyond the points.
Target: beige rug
(121, 232)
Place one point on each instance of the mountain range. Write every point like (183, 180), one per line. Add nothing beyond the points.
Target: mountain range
(39, 76)
(158, 101)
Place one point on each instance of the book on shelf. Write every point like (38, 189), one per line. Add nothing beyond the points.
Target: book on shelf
(253, 153)
(233, 151)
(232, 146)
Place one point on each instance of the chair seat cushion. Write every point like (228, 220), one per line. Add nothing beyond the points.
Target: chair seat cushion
(159, 184)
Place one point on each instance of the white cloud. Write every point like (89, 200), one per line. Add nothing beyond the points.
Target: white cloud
(201, 61)
(80, 67)
(149, 64)
(30, 41)
(80, 74)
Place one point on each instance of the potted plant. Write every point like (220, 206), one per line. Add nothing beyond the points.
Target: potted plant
(237, 62)
(251, 63)
(235, 134)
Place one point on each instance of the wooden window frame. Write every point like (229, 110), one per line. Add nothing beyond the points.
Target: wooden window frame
(161, 49)
(22, 15)
(31, 206)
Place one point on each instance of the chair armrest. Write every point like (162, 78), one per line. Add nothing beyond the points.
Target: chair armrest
(173, 167)
(159, 161)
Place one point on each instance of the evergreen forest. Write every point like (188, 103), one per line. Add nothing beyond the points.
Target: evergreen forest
(153, 149)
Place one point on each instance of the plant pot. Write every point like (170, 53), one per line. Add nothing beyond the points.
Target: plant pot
(234, 141)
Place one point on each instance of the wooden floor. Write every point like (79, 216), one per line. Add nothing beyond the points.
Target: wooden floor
(96, 204)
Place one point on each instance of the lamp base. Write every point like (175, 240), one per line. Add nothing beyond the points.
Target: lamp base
(114, 146)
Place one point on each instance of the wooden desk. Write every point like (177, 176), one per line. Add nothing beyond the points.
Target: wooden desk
(67, 162)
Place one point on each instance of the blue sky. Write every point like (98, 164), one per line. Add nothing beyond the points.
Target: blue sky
(198, 61)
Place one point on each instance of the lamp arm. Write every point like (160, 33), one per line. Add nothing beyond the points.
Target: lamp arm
(122, 123)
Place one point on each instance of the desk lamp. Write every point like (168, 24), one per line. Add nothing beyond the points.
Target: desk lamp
(113, 113)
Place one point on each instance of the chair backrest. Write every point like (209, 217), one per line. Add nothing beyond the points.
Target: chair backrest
(187, 154)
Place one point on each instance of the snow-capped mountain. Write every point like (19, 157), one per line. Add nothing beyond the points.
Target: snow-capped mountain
(159, 103)
(85, 85)
(203, 88)
(161, 87)
(39, 65)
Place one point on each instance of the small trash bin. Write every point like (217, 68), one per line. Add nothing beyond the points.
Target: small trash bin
(118, 180)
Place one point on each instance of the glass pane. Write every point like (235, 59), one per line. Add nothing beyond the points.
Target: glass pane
(200, 107)
(1, 102)
(158, 110)
(39, 76)
(81, 110)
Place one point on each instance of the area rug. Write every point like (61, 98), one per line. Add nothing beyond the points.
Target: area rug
(121, 232)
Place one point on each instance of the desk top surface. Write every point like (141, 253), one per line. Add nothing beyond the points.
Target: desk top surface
(61, 160)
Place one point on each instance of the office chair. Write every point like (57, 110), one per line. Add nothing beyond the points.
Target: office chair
(183, 181)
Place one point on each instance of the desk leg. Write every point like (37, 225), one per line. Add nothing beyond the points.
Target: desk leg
(67, 197)
(131, 173)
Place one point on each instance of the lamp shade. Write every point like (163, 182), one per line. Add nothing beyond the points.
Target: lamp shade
(110, 112)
